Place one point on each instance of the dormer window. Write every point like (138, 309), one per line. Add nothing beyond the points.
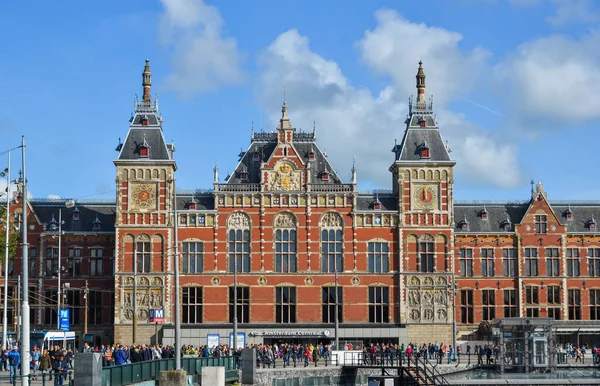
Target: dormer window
(244, 175)
(506, 224)
(569, 213)
(377, 205)
(592, 225)
(76, 214)
(311, 156)
(53, 224)
(324, 176)
(143, 151)
(484, 214)
(422, 122)
(464, 225)
(256, 156)
(97, 224)
(424, 150)
(192, 205)
(145, 120)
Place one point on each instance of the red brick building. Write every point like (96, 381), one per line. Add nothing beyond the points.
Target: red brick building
(290, 228)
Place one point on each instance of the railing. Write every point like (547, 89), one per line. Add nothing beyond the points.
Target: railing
(150, 370)
(238, 187)
(39, 379)
(336, 188)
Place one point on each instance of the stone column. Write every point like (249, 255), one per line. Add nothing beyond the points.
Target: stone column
(88, 369)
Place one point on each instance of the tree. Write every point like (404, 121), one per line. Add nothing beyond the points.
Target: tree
(13, 239)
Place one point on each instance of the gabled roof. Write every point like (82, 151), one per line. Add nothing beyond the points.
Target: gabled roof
(153, 136)
(582, 214)
(497, 215)
(105, 211)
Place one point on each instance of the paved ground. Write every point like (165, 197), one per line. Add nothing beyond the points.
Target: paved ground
(5, 380)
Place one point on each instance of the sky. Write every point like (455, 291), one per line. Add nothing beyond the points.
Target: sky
(515, 86)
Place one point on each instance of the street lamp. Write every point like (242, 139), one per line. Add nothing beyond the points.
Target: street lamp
(6, 173)
(452, 292)
(59, 269)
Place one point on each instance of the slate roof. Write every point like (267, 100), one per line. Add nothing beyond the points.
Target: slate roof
(365, 201)
(88, 211)
(264, 144)
(582, 214)
(153, 136)
(204, 200)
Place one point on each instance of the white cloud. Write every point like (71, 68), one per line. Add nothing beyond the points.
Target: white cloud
(53, 197)
(351, 121)
(573, 11)
(554, 77)
(202, 58)
(395, 46)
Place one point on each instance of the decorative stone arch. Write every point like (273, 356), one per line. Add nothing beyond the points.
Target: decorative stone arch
(422, 174)
(426, 238)
(140, 174)
(437, 175)
(238, 220)
(148, 174)
(429, 175)
(155, 173)
(285, 220)
(331, 220)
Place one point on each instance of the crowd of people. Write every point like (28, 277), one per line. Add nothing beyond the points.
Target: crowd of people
(55, 363)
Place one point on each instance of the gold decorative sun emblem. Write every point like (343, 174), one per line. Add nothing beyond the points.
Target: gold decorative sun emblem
(143, 196)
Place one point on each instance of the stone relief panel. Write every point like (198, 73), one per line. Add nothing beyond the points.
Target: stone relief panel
(149, 295)
(238, 220)
(427, 299)
(285, 220)
(285, 178)
(331, 220)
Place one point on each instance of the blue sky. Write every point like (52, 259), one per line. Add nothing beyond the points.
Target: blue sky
(515, 83)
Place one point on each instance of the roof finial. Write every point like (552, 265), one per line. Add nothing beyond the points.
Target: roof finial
(216, 173)
(284, 110)
(314, 129)
(354, 170)
(532, 182)
(421, 85)
(252, 130)
(147, 82)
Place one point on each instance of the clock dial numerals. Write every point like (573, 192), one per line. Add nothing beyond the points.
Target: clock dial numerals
(425, 197)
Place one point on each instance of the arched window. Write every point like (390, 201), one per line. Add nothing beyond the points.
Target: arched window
(285, 243)
(426, 254)
(143, 254)
(332, 240)
(238, 234)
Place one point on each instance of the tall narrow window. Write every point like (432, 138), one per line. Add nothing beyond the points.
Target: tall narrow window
(594, 261)
(574, 296)
(466, 306)
(332, 242)
(50, 316)
(285, 304)
(532, 300)
(51, 261)
(541, 223)
(488, 299)
(554, 302)
(143, 256)
(331, 250)
(573, 264)
(487, 262)
(238, 235)
(426, 255)
(74, 262)
(192, 257)
(239, 250)
(511, 307)
(329, 302)
(379, 258)
(96, 308)
(285, 251)
(552, 262)
(191, 305)
(509, 262)
(379, 305)
(96, 263)
(73, 302)
(466, 262)
(531, 262)
(243, 304)
(594, 304)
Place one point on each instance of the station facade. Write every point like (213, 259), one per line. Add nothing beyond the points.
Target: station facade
(398, 265)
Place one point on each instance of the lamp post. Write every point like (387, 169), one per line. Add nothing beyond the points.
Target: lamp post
(59, 274)
(85, 314)
(452, 291)
(337, 319)
(235, 318)
(6, 251)
(134, 324)
(25, 351)
(176, 274)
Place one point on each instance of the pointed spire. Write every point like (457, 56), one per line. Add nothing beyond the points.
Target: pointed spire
(354, 170)
(147, 82)
(252, 130)
(284, 110)
(216, 173)
(532, 182)
(314, 129)
(420, 85)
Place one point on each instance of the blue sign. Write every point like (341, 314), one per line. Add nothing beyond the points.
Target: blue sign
(64, 317)
(157, 316)
(241, 340)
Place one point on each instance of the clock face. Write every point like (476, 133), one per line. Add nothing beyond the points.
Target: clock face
(143, 196)
(425, 196)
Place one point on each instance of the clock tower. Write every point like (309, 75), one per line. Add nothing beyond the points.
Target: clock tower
(422, 181)
(145, 185)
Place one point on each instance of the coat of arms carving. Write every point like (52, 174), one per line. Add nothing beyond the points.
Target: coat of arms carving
(285, 178)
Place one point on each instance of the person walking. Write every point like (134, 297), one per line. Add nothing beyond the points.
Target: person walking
(35, 361)
(14, 361)
(45, 363)
(61, 368)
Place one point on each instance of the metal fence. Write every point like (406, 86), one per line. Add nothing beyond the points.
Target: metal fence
(39, 380)
(149, 370)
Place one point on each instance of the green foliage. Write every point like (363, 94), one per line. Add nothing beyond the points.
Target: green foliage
(13, 238)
